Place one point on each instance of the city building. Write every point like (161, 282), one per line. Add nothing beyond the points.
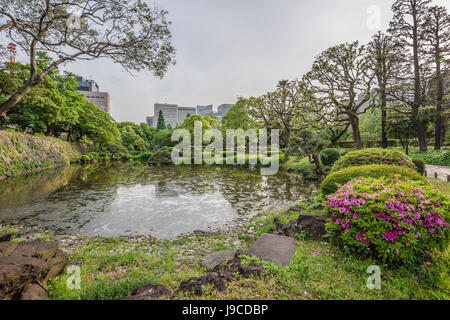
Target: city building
(169, 111)
(149, 121)
(222, 110)
(175, 115)
(205, 110)
(184, 112)
(91, 90)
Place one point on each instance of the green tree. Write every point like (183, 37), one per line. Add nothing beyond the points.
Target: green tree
(408, 85)
(161, 123)
(340, 82)
(238, 117)
(130, 33)
(311, 142)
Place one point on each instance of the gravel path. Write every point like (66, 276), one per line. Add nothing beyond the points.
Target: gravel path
(443, 173)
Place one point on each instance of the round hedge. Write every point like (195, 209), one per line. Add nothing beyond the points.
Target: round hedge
(329, 156)
(373, 156)
(419, 164)
(390, 219)
(332, 181)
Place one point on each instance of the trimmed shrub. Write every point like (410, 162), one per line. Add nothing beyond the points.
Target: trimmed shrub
(391, 220)
(373, 156)
(329, 156)
(162, 156)
(332, 181)
(419, 164)
(85, 159)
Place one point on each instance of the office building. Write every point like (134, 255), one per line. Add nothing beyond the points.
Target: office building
(91, 90)
(222, 110)
(205, 110)
(169, 112)
(184, 112)
(149, 121)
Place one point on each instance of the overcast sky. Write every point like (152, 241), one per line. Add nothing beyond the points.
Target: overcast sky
(230, 48)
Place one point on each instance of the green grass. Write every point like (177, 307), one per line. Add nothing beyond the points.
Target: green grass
(297, 164)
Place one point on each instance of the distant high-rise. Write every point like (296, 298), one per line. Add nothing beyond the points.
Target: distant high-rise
(91, 90)
(149, 121)
(172, 113)
(222, 110)
(205, 110)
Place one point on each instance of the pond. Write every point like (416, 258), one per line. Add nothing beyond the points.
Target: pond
(126, 198)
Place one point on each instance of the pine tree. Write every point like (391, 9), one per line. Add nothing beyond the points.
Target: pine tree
(406, 27)
(161, 123)
(437, 37)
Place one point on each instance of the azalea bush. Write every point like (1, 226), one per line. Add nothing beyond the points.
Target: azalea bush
(391, 220)
(374, 156)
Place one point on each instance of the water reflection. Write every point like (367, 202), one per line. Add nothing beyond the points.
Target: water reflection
(120, 199)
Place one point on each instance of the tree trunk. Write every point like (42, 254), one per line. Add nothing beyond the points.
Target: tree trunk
(384, 139)
(3, 121)
(438, 137)
(15, 98)
(317, 164)
(420, 129)
(417, 84)
(354, 122)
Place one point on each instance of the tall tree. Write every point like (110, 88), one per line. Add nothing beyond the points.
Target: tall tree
(129, 33)
(161, 125)
(340, 81)
(385, 54)
(276, 110)
(406, 27)
(436, 28)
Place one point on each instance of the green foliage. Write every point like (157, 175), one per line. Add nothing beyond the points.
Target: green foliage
(329, 156)
(162, 156)
(238, 117)
(419, 164)
(142, 156)
(391, 220)
(373, 156)
(117, 151)
(161, 125)
(207, 122)
(332, 181)
(435, 157)
(162, 138)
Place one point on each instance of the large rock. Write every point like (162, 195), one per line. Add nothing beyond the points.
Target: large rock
(25, 263)
(212, 260)
(34, 291)
(17, 272)
(5, 237)
(313, 224)
(274, 248)
(148, 292)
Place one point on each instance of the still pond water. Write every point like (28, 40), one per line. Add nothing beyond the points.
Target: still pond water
(122, 199)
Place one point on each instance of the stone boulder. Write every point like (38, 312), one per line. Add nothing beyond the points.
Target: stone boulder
(313, 224)
(25, 263)
(5, 237)
(212, 260)
(34, 291)
(274, 248)
(149, 292)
